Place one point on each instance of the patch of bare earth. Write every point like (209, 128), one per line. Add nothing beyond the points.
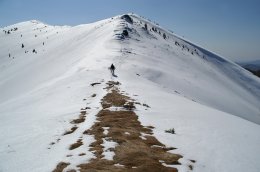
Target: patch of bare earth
(76, 145)
(137, 149)
(61, 166)
(74, 128)
(80, 119)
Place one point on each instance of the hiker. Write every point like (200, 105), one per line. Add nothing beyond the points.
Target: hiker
(112, 68)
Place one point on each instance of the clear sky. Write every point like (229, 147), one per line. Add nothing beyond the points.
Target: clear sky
(230, 28)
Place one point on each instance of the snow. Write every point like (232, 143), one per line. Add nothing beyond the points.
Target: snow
(216, 140)
(114, 108)
(105, 130)
(41, 93)
(212, 103)
(109, 146)
(119, 165)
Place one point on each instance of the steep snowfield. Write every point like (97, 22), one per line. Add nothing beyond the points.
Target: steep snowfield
(201, 76)
(212, 103)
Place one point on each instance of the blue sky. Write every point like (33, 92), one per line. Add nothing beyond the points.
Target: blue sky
(230, 28)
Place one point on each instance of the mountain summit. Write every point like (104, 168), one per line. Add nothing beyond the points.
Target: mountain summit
(190, 98)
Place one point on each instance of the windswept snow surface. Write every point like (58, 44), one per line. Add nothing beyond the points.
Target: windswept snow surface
(212, 103)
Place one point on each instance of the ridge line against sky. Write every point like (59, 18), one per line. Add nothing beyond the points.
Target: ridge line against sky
(228, 28)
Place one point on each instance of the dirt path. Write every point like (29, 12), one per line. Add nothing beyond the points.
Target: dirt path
(134, 148)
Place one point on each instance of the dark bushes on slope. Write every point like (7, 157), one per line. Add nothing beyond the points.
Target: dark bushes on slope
(164, 36)
(127, 18)
(125, 33)
(145, 26)
(172, 131)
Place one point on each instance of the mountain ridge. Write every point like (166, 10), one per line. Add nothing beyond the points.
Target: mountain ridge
(221, 65)
(203, 99)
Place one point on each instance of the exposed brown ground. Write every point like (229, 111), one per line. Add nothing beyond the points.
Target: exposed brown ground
(74, 128)
(81, 118)
(76, 145)
(60, 167)
(137, 149)
(133, 152)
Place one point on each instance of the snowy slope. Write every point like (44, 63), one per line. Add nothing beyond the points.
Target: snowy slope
(199, 94)
(201, 76)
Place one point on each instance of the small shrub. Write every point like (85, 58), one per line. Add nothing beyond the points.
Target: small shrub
(125, 33)
(127, 18)
(145, 26)
(146, 105)
(164, 36)
(95, 83)
(172, 131)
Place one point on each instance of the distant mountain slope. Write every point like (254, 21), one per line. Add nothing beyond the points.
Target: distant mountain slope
(46, 81)
(252, 66)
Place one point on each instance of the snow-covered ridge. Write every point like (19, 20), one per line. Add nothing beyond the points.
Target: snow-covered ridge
(197, 73)
(212, 104)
